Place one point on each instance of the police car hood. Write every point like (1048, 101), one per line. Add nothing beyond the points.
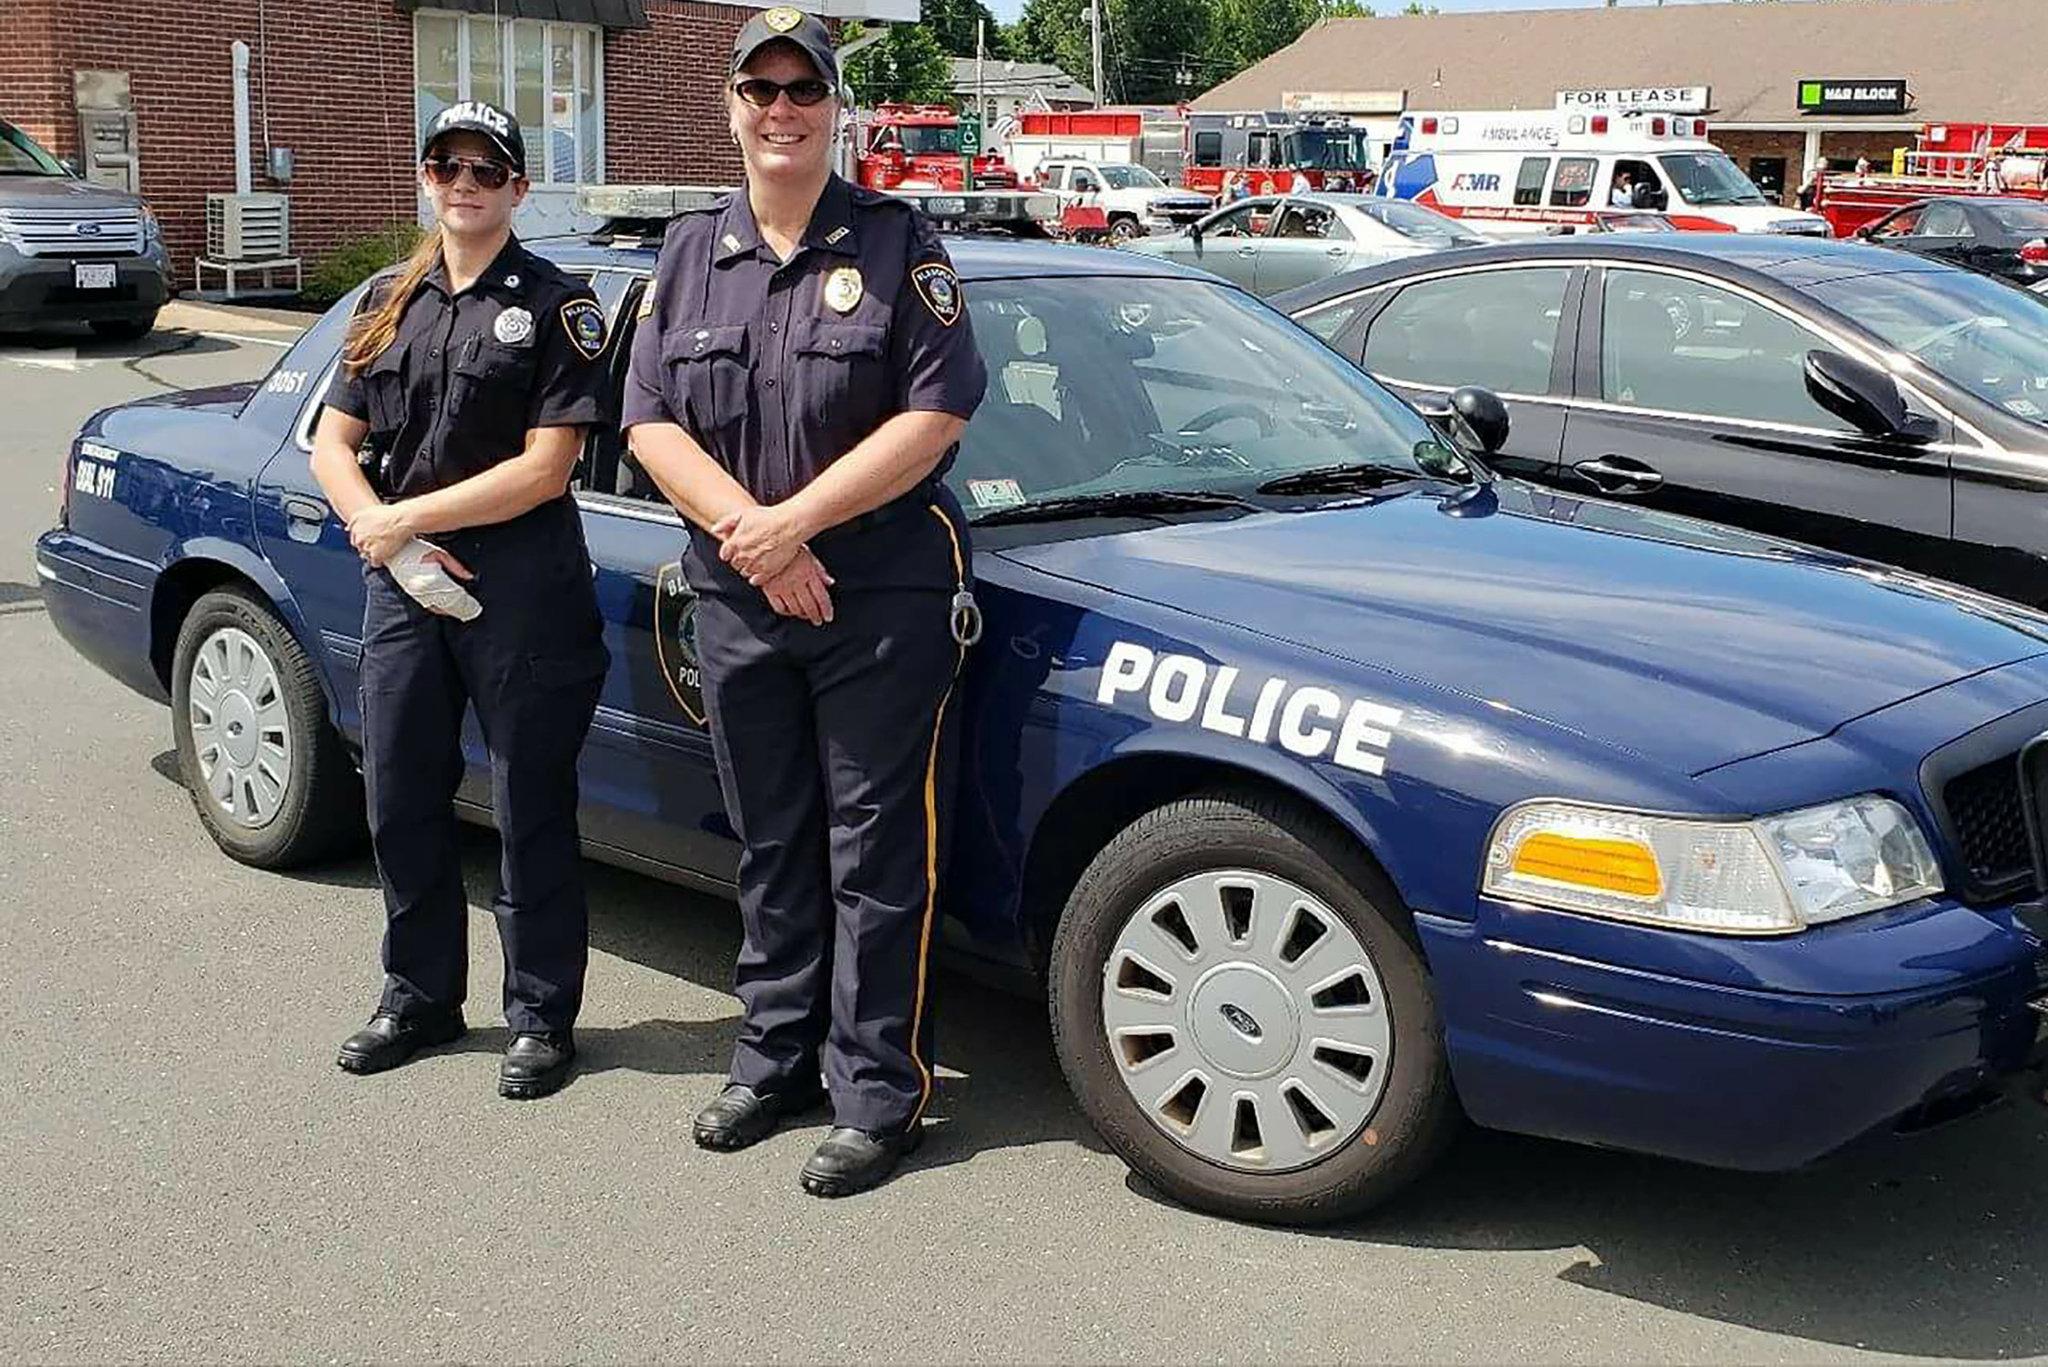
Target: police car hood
(1687, 644)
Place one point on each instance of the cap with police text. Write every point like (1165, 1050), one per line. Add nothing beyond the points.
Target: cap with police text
(474, 116)
(785, 25)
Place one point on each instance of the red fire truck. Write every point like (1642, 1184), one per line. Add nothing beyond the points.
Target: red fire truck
(1946, 159)
(917, 147)
(1269, 147)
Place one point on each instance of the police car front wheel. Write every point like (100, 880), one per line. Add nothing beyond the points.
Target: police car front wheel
(1240, 1005)
(268, 774)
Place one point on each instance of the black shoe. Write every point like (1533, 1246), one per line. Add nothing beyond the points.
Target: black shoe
(739, 1115)
(851, 1160)
(536, 1064)
(389, 1040)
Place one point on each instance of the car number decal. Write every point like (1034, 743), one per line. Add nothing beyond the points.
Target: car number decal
(95, 470)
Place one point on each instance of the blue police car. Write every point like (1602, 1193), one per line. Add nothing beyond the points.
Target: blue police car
(1332, 788)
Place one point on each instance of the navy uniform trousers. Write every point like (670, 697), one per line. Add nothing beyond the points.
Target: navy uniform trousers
(531, 665)
(837, 757)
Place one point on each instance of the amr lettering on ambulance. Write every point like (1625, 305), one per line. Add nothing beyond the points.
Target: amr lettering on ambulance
(1534, 170)
(1305, 720)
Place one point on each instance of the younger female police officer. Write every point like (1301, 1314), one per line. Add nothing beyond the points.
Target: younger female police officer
(473, 376)
(803, 371)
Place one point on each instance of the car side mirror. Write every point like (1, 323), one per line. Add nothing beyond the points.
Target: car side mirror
(71, 168)
(1479, 412)
(1865, 397)
(1195, 232)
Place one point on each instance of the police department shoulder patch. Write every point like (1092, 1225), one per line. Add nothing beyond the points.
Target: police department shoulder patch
(782, 18)
(939, 287)
(584, 322)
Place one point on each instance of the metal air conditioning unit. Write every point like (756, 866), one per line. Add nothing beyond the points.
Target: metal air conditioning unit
(252, 227)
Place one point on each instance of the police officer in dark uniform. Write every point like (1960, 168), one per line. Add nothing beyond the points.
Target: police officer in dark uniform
(800, 379)
(447, 445)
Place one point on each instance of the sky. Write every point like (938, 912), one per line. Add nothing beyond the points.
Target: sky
(1007, 10)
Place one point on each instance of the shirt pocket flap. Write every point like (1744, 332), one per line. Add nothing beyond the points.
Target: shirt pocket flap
(492, 358)
(389, 361)
(823, 337)
(701, 343)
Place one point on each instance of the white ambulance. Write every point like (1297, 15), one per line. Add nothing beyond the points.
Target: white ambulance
(1546, 171)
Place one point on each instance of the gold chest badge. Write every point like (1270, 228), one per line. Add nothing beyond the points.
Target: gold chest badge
(843, 289)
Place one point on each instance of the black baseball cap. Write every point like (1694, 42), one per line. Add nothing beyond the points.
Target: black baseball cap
(474, 116)
(785, 25)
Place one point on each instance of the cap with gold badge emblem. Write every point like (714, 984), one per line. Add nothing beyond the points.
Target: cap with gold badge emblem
(785, 25)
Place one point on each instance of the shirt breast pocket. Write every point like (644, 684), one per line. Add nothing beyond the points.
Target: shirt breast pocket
(384, 390)
(840, 362)
(493, 391)
(707, 370)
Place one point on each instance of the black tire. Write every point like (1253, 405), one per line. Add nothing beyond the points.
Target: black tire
(320, 813)
(125, 329)
(1417, 1111)
(1123, 229)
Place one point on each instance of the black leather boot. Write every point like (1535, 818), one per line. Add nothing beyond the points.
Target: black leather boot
(536, 1065)
(739, 1115)
(851, 1160)
(389, 1040)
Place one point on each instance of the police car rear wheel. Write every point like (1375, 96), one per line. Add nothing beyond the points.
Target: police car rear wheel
(1239, 1003)
(267, 772)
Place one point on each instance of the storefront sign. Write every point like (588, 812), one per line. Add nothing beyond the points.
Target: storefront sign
(1852, 97)
(1344, 101)
(1660, 99)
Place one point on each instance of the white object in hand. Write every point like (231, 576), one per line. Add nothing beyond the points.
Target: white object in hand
(431, 586)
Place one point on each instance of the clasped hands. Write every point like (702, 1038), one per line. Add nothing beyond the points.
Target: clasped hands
(766, 544)
(382, 530)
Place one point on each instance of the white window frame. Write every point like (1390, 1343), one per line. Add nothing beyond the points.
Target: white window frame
(502, 97)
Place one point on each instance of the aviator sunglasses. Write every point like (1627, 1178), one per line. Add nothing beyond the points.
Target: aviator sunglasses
(761, 92)
(446, 170)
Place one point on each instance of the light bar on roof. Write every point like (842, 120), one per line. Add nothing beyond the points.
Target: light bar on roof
(645, 201)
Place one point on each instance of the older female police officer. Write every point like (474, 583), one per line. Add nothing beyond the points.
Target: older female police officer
(803, 371)
(473, 376)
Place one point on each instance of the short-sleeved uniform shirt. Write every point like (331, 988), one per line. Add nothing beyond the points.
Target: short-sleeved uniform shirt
(778, 368)
(467, 376)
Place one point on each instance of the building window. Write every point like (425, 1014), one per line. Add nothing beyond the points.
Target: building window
(551, 76)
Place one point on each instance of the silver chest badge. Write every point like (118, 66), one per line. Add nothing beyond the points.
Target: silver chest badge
(843, 289)
(513, 326)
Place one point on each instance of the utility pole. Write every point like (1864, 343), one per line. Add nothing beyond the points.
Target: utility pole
(980, 63)
(1095, 39)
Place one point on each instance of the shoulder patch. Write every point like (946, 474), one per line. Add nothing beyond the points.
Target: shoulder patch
(583, 320)
(939, 287)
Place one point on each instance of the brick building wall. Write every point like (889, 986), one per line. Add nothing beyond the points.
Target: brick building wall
(336, 86)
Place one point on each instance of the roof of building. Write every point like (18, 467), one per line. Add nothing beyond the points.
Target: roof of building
(1003, 77)
(1959, 57)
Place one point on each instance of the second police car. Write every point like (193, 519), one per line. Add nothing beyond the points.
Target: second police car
(1331, 787)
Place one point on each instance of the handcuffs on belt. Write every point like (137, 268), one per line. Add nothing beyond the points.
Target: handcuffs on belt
(964, 616)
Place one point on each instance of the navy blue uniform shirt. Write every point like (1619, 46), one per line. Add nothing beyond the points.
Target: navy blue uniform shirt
(778, 368)
(469, 374)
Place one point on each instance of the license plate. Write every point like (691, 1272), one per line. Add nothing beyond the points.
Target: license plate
(93, 275)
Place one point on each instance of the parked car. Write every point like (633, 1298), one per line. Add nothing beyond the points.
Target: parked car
(1328, 785)
(1133, 200)
(2004, 236)
(1271, 243)
(72, 251)
(1831, 392)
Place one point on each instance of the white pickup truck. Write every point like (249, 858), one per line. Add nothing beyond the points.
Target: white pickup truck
(1134, 200)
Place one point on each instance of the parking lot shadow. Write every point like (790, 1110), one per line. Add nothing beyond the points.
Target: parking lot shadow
(1934, 1247)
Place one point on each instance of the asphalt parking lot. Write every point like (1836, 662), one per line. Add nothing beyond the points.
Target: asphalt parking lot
(188, 1177)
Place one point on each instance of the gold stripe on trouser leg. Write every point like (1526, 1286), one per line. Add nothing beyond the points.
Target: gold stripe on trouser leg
(931, 849)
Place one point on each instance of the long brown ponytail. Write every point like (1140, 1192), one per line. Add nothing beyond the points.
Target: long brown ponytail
(375, 329)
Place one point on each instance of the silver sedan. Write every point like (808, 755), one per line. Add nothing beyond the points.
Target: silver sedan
(1271, 243)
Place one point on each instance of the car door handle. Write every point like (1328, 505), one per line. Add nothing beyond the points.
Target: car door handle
(1247, 251)
(1620, 475)
(1335, 251)
(301, 509)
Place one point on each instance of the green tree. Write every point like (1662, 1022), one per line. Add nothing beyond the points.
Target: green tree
(1054, 31)
(951, 24)
(1249, 30)
(908, 65)
(1346, 9)
(1158, 51)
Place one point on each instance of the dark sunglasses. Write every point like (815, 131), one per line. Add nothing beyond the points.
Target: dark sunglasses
(446, 170)
(761, 92)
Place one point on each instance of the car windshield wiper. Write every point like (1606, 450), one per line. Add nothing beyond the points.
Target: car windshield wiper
(1118, 501)
(1331, 479)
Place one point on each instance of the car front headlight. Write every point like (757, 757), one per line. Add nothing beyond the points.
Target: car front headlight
(1773, 875)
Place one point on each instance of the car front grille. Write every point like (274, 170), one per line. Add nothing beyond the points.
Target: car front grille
(72, 231)
(1989, 819)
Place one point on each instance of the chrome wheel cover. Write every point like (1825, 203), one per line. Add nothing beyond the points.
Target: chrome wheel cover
(1247, 1021)
(241, 733)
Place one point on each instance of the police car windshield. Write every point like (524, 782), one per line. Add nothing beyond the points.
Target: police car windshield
(1324, 150)
(1709, 178)
(1131, 178)
(1119, 385)
(1974, 330)
(927, 141)
(19, 155)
